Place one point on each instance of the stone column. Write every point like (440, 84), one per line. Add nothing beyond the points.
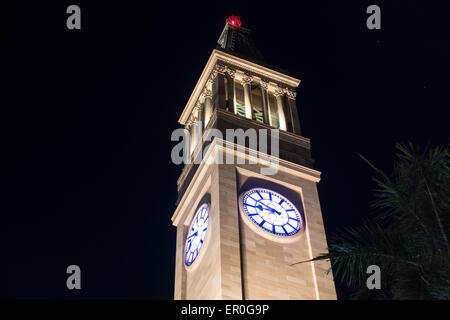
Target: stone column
(280, 108)
(218, 87)
(190, 128)
(197, 124)
(230, 77)
(246, 83)
(291, 95)
(264, 87)
(208, 107)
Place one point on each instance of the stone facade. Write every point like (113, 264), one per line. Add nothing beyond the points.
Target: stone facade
(238, 263)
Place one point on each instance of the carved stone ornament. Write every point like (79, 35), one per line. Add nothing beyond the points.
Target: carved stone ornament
(207, 93)
(290, 93)
(264, 84)
(231, 72)
(197, 108)
(278, 92)
(220, 68)
(247, 79)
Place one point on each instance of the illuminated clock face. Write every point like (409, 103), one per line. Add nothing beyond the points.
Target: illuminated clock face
(271, 212)
(196, 234)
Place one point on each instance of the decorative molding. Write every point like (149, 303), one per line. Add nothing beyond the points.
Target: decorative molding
(231, 72)
(264, 84)
(224, 59)
(261, 71)
(197, 107)
(189, 123)
(220, 68)
(207, 93)
(278, 92)
(247, 79)
(211, 78)
(291, 94)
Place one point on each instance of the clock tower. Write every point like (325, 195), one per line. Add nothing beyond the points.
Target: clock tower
(240, 229)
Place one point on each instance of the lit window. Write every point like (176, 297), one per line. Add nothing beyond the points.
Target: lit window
(240, 101)
(257, 104)
(273, 110)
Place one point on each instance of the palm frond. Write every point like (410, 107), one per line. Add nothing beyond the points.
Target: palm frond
(408, 239)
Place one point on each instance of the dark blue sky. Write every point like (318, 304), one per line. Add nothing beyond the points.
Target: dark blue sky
(88, 114)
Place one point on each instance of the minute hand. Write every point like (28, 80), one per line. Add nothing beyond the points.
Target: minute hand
(279, 213)
(271, 209)
(265, 205)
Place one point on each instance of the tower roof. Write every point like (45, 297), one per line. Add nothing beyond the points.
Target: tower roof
(237, 41)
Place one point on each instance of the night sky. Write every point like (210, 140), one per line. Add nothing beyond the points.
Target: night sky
(87, 115)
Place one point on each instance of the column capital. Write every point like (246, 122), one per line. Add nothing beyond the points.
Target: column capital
(247, 79)
(264, 84)
(197, 107)
(231, 72)
(206, 93)
(278, 92)
(189, 123)
(211, 79)
(291, 94)
(218, 68)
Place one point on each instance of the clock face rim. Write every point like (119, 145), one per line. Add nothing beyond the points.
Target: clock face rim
(266, 233)
(200, 254)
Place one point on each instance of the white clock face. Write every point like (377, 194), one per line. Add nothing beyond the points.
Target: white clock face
(196, 234)
(271, 212)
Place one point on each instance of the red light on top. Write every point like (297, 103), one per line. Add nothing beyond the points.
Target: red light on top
(234, 21)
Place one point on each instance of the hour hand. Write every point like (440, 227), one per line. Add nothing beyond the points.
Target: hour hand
(260, 207)
(265, 205)
(193, 235)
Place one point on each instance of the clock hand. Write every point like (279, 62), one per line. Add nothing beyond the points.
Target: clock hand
(271, 209)
(266, 205)
(193, 235)
(261, 208)
(279, 213)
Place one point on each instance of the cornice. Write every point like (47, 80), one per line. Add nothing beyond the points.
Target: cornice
(237, 63)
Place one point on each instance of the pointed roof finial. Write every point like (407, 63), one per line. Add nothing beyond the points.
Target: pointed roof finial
(234, 21)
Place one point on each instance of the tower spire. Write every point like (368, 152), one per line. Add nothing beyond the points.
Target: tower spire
(237, 41)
